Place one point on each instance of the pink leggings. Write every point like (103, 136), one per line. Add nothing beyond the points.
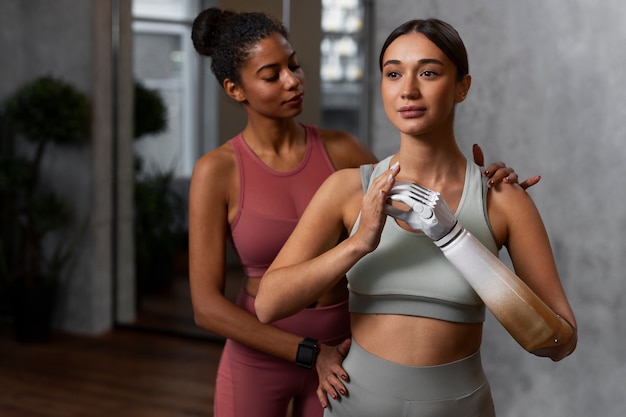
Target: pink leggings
(252, 383)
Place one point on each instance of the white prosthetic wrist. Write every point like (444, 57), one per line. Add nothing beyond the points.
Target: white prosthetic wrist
(522, 313)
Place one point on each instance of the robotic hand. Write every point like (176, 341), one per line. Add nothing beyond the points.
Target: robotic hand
(428, 211)
(524, 315)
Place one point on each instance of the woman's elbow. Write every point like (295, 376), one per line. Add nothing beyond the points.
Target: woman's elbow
(263, 310)
(203, 319)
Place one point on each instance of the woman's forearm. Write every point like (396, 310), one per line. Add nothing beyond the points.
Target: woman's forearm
(285, 290)
(221, 316)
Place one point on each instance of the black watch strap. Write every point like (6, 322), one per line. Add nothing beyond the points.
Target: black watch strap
(307, 353)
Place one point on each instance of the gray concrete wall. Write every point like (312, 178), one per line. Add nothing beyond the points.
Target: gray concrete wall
(548, 98)
(71, 40)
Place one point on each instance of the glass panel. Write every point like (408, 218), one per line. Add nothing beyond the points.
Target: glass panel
(343, 55)
(165, 9)
(158, 66)
(164, 60)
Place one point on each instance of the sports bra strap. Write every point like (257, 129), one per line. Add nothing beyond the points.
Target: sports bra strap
(366, 175)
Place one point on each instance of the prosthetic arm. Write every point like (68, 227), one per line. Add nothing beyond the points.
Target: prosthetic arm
(522, 313)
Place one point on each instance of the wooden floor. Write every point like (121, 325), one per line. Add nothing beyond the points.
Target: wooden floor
(125, 373)
(162, 366)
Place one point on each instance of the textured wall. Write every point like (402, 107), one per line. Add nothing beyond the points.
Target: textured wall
(548, 97)
(40, 37)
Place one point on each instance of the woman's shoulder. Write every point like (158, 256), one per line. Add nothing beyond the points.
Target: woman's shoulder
(334, 138)
(217, 163)
(503, 194)
(508, 204)
(344, 149)
(342, 183)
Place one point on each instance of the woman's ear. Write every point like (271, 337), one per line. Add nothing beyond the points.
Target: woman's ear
(462, 87)
(234, 91)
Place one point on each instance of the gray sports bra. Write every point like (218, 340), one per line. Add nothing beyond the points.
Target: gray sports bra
(408, 275)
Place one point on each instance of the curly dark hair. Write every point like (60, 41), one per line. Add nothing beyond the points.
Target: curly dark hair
(227, 37)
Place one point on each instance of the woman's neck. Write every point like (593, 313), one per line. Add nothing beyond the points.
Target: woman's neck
(435, 164)
(280, 145)
(273, 136)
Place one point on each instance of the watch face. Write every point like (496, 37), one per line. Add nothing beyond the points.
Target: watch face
(307, 352)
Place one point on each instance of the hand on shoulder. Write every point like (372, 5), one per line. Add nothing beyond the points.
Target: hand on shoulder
(508, 205)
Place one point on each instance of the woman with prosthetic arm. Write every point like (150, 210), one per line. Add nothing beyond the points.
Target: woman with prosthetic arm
(522, 313)
(252, 190)
(417, 308)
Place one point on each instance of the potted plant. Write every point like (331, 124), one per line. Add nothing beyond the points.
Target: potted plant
(46, 111)
(159, 230)
(159, 225)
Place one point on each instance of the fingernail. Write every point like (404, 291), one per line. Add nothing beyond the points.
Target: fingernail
(486, 172)
(490, 184)
(506, 179)
(395, 165)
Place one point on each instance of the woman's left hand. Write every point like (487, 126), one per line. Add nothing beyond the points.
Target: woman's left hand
(499, 172)
(330, 372)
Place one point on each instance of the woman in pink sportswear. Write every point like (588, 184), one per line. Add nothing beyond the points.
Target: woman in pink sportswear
(252, 190)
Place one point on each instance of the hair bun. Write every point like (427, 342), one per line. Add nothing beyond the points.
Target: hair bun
(207, 27)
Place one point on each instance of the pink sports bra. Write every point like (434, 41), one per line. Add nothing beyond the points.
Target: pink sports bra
(271, 202)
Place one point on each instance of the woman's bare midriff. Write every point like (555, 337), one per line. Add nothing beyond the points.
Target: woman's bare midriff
(336, 295)
(415, 341)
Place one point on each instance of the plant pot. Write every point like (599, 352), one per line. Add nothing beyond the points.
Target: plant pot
(33, 307)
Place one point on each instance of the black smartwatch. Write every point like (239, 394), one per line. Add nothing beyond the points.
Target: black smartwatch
(307, 353)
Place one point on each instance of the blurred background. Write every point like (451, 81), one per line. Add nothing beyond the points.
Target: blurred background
(547, 98)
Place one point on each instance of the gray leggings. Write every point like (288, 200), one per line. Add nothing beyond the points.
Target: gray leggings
(380, 388)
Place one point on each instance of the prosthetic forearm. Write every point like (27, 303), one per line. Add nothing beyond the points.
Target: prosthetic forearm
(522, 313)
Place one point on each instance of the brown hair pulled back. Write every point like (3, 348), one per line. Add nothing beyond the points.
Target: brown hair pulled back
(438, 32)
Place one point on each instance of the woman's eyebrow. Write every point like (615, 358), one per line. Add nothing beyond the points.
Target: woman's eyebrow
(422, 61)
(293, 54)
